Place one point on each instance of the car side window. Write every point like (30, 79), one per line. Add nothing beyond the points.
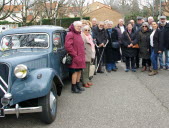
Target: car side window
(57, 40)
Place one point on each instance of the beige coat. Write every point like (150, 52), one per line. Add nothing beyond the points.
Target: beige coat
(88, 49)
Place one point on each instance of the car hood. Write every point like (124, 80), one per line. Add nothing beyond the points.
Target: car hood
(14, 58)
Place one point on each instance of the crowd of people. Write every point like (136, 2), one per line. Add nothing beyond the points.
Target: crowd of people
(99, 43)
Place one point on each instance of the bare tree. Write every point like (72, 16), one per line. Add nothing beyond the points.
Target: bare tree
(80, 6)
(123, 6)
(29, 11)
(50, 9)
(6, 8)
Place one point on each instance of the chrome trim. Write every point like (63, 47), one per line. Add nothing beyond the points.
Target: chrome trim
(18, 110)
(3, 89)
(4, 82)
(9, 70)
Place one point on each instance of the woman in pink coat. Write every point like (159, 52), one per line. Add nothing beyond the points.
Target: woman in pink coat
(75, 47)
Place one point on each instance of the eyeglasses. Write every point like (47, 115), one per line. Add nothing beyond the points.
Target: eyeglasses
(87, 30)
(145, 26)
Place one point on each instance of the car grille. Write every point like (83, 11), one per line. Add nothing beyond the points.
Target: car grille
(4, 73)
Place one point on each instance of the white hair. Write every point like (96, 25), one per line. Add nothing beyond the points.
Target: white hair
(150, 17)
(86, 27)
(121, 20)
(110, 22)
(94, 19)
(75, 23)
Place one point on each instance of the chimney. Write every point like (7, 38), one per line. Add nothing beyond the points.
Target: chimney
(92, 1)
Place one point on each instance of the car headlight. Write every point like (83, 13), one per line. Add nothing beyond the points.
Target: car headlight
(21, 71)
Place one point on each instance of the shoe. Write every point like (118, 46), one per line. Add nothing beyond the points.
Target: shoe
(74, 89)
(126, 70)
(109, 71)
(86, 86)
(133, 70)
(114, 70)
(154, 72)
(90, 84)
(78, 86)
(149, 69)
(161, 68)
(100, 72)
(144, 68)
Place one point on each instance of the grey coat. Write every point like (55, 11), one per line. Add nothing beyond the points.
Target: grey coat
(88, 49)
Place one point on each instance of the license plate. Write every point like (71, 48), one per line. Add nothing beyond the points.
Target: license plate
(2, 114)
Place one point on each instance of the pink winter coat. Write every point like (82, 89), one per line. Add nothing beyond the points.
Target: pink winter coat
(75, 47)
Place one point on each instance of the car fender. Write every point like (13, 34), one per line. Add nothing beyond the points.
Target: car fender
(36, 84)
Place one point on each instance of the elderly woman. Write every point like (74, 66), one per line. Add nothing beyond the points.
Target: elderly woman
(75, 47)
(129, 40)
(143, 41)
(112, 54)
(89, 53)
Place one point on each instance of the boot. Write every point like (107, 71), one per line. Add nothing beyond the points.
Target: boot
(143, 69)
(149, 69)
(74, 89)
(79, 87)
(154, 72)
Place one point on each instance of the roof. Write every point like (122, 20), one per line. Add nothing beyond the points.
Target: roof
(33, 29)
(99, 9)
(15, 8)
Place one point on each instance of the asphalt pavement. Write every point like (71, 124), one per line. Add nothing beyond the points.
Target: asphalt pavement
(116, 100)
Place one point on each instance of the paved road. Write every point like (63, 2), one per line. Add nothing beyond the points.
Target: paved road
(117, 100)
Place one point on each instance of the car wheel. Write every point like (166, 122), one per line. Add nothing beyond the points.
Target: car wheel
(49, 105)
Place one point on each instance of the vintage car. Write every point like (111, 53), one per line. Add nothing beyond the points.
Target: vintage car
(31, 70)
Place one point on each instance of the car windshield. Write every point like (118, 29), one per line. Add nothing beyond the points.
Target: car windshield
(30, 40)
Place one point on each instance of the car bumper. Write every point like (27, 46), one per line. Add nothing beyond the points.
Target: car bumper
(17, 110)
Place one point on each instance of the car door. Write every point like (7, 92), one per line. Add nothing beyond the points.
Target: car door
(58, 53)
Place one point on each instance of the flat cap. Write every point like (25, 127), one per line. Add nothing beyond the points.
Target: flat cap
(139, 18)
(162, 17)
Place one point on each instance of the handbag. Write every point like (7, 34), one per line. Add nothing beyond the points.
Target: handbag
(134, 46)
(91, 70)
(67, 59)
(115, 44)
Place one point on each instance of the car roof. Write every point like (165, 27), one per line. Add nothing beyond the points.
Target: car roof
(32, 29)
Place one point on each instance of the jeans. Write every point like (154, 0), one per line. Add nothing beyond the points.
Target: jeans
(166, 52)
(128, 60)
(154, 59)
(111, 66)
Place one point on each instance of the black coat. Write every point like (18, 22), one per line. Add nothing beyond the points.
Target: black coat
(157, 44)
(100, 35)
(129, 52)
(112, 54)
(143, 42)
(165, 37)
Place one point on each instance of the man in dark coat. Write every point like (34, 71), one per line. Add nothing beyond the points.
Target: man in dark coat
(121, 28)
(100, 37)
(112, 54)
(164, 28)
(137, 29)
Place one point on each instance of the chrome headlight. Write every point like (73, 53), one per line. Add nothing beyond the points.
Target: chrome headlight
(21, 71)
